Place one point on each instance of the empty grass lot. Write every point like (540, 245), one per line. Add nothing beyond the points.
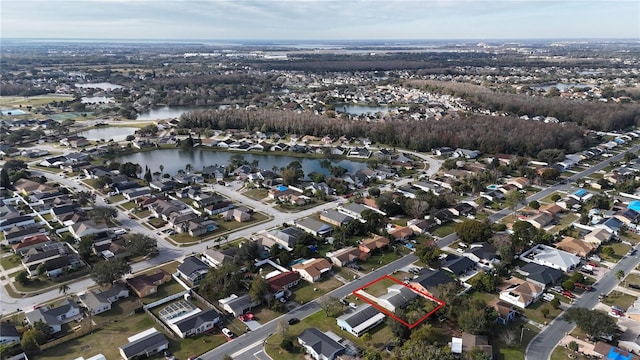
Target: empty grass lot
(10, 262)
(516, 351)
(444, 230)
(305, 290)
(619, 299)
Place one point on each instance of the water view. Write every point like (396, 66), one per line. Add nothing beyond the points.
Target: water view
(560, 86)
(361, 109)
(167, 112)
(176, 159)
(102, 86)
(108, 133)
(96, 99)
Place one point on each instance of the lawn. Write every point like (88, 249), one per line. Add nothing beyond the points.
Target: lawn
(619, 250)
(9, 262)
(34, 285)
(380, 335)
(515, 352)
(379, 288)
(562, 353)
(164, 290)
(631, 279)
(306, 291)
(444, 230)
(24, 101)
(264, 314)
(116, 198)
(534, 312)
(378, 260)
(619, 299)
(256, 194)
(565, 221)
(128, 205)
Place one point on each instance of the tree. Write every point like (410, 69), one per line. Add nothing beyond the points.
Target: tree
(476, 353)
(371, 355)
(619, 275)
(573, 346)
(593, 322)
(83, 198)
(139, 244)
(473, 231)
(569, 285)
(428, 254)
(106, 272)
(577, 277)
(85, 247)
(259, 289)
(147, 176)
(329, 305)
(534, 205)
(14, 165)
(398, 329)
(63, 288)
(555, 197)
(545, 312)
(129, 169)
(188, 168)
(103, 213)
(5, 182)
(375, 192)
(34, 337)
(227, 357)
(555, 303)
(286, 344)
(476, 317)
(422, 345)
(222, 281)
(513, 199)
(161, 169)
(22, 277)
(283, 328)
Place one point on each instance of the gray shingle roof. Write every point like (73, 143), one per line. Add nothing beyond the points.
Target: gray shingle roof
(142, 345)
(196, 320)
(320, 342)
(361, 315)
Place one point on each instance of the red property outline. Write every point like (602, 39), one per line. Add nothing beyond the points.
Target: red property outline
(410, 326)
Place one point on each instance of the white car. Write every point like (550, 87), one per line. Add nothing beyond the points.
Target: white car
(353, 305)
(227, 332)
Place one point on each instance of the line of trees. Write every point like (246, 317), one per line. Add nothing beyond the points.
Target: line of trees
(485, 133)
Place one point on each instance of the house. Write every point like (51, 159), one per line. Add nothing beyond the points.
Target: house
(443, 216)
(540, 275)
(540, 220)
(8, 334)
(97, 301)
(420, 226)
(27, 186)
(32, 242)
(193, 270)
(522, 295)
(576, 247)
(610, 352)
(314, 227)
(361, 320)
(144, 344)
(551, 209)
(199, 226)
(470, 342)
(428, 281)
(598, 236)
(17, 234)
(286, 237)
(552, 257)
(398, 296)
(483, 254)
(355, 210)
(312, 269)
(84, 228)
(144, 285)
(457, 265)
(55, 317)
(519, 182)
(197, 323)
(506, 312)
(335, 218)
(16, 220)
(238, 215)
(612, 225)
(358, 152)
(318, 345)
(465, 153)
(401, 233)
(134, 193)
(284, 281)
(237, 305)
(346, 256)
(628, 216)
(375, 243)
(215, 258)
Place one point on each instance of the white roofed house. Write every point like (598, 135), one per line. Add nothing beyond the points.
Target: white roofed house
(552, 257)
(312, 269)
(522, 295)
(55, 317)
(360, 321)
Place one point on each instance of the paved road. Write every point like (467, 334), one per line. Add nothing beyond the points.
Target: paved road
(239, 348)
(541, 347)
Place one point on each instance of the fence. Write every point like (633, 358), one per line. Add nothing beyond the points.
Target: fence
(165, 300)
(165, 327)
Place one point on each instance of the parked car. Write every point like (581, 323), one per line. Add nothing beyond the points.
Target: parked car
(568, 294)
(634, 286)
(592, 264)
(168, 355)
(353, 305)
(293, 321)
(227, 333)
(584, 287)
(242, 317)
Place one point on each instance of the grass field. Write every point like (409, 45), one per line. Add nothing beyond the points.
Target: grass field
(445, 229)
(16, 101)
(562, 353)
(619, 299)
(305, 291)
(256, 194)
(10, 262)
(516, 351)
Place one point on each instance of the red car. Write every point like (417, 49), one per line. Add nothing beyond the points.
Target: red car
(568, 294)
(242, 317)
(590, 263)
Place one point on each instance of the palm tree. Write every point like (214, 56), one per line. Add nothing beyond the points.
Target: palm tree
(188, 168)
(63, 289)
(162, 169)
(619, 274)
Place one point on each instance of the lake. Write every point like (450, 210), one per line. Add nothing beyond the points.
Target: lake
(560, 86)
(102, 86)
(175, 159)
(96, 100)
(107, 133)
(360, 109)
(167, 112)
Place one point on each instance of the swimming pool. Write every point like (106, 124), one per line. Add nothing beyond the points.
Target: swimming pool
(492, 187)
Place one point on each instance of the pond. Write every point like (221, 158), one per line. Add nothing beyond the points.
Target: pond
(107, 133)
(167, 112)
(101, 86)
(176, 159)
(96, 100)
(361, 109)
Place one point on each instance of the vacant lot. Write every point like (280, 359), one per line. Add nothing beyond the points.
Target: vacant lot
(306, 291)
(619, 299)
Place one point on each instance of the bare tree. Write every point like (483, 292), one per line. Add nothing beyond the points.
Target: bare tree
(283, 328)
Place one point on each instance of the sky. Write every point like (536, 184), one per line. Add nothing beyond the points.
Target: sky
(319, 19)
